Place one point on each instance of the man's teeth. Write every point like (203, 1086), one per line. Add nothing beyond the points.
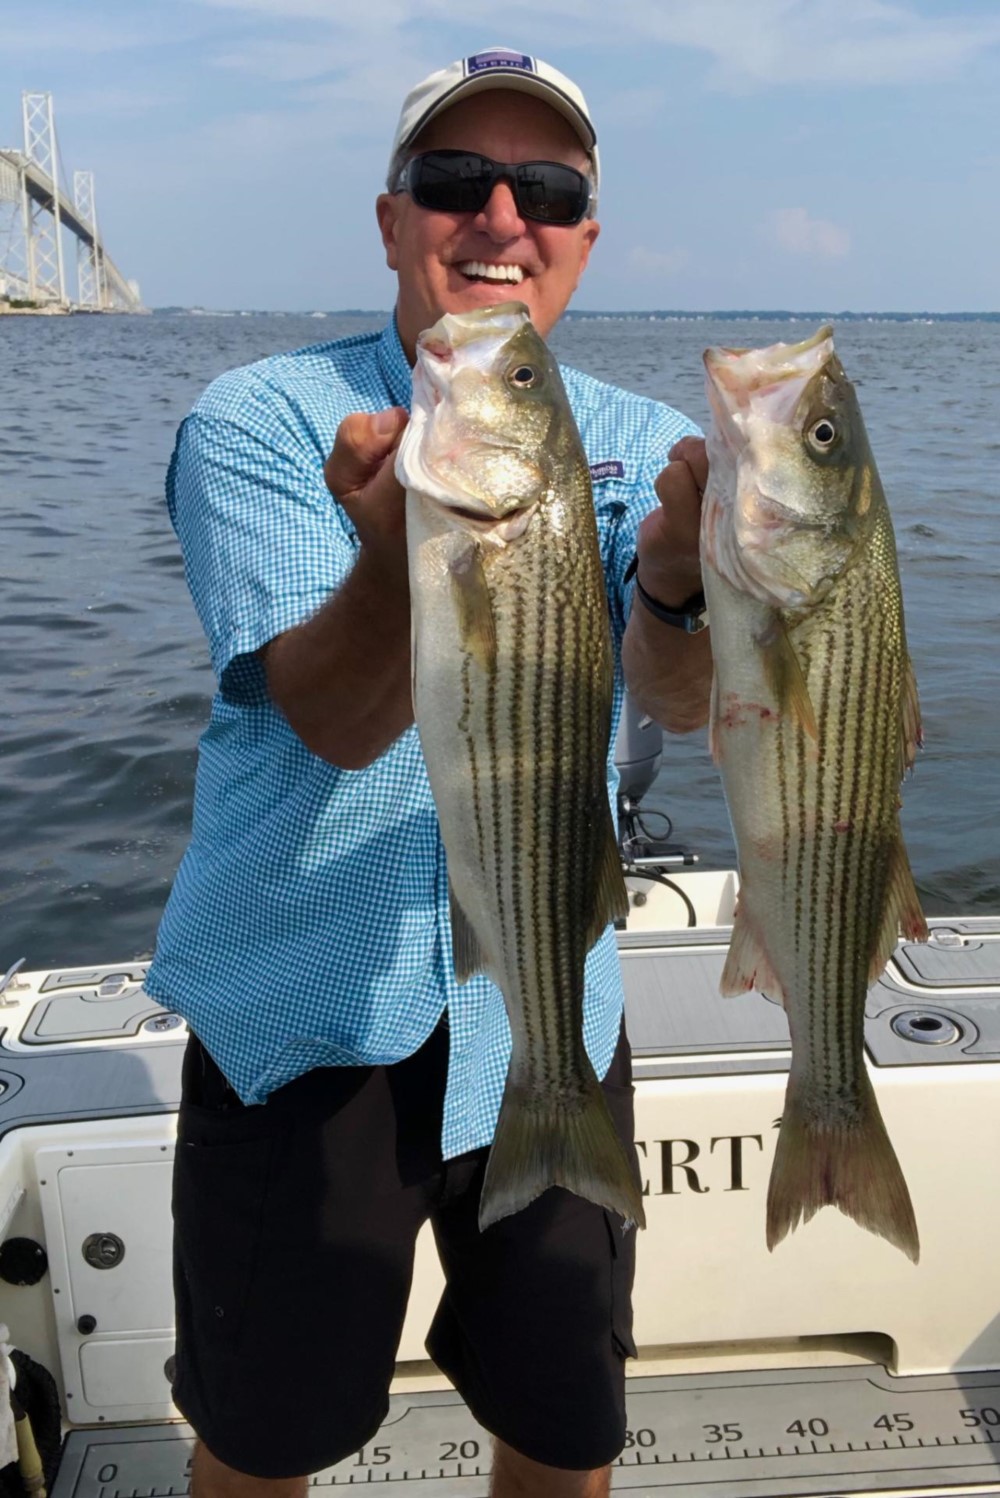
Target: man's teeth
(510, 273)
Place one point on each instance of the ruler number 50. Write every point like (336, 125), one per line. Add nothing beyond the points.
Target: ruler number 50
(985, 1416)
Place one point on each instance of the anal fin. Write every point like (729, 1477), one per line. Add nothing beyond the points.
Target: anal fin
(610, 894)
(911, 732)
(901, 912)
(747, 964)
(467, 954)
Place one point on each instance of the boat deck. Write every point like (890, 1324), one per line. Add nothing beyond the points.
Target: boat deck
(831, 1367)
(808, 1432)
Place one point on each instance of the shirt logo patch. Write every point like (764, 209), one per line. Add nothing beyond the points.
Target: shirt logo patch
(482, 62)
(611, 468)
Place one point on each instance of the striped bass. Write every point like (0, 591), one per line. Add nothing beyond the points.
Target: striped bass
(512, 688)
(814, 722)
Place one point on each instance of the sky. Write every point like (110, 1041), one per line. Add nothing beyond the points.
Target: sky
(799, 154)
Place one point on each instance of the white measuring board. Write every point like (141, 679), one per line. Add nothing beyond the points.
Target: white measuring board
(778, 1433)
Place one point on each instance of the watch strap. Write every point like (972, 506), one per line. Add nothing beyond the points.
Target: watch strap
(691, 616)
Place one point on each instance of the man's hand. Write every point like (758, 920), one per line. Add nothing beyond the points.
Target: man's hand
(360, 474)
(669, 563)
(668, 671)
(342, 678)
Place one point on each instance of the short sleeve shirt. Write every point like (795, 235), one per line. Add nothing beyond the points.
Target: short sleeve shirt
(308, 924)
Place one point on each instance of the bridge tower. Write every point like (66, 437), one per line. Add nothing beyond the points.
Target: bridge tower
(36, 214)
(89, 259)
(43, 225)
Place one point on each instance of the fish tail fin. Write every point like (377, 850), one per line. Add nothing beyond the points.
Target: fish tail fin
(851, 1166)
(541, 1142)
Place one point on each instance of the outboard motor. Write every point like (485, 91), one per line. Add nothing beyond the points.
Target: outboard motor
(638, 756)
(638, 751)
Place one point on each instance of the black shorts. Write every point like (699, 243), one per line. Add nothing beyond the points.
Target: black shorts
(295, 1224)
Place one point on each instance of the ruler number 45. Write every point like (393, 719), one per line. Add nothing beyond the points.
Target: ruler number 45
(899, 1421)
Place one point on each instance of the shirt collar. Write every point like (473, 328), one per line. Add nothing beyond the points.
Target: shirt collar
(394, 366)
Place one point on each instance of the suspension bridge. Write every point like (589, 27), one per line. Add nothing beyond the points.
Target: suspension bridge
(37, 217)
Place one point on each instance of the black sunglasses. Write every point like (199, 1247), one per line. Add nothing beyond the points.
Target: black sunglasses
(461, 182)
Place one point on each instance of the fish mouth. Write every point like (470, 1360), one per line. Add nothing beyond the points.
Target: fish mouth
(498, 524)
(744, 384)
(460, 352)
(480, 332)
(455, 330)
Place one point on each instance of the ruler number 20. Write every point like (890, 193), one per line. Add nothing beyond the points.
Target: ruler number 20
(453, 1451)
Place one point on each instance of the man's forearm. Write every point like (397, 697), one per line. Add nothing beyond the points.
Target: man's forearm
(342, 679)
(668, 672)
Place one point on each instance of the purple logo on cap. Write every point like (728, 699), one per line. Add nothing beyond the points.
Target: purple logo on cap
(611, 468)
(482, 62)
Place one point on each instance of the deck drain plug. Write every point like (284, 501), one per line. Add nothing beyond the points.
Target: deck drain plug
(926, 1027)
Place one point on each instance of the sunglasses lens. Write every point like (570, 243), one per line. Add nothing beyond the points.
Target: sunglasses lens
(451, 181)
(459, 182)
(551, 193)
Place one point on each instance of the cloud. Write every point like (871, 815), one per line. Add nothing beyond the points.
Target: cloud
(795, 230)
(78, 32)
(646, 262)
(635, 106)
(790, 43)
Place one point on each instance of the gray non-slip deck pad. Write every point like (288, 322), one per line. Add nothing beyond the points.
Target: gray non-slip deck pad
(780, 1433)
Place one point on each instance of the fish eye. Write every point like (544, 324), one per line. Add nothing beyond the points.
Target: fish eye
(822, 434)
(523, 376)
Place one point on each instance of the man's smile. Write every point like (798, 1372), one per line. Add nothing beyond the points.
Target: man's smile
(479, 270)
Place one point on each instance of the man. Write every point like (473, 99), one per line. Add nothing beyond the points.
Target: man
(343, 1087)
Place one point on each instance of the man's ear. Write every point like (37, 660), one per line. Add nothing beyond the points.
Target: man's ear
(387, 213)
(591, 231)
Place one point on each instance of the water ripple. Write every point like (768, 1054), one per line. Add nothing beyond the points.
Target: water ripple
(106, 684)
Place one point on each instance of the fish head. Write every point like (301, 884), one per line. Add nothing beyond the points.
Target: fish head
(791, 473)
(486, 392)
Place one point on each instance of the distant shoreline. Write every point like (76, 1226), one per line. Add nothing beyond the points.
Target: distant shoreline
(651, 315)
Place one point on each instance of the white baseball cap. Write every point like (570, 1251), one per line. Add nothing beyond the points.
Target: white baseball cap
(498, 67)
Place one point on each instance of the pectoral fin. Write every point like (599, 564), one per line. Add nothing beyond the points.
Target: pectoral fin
(785, 678)
(477, 628)
(714, 737)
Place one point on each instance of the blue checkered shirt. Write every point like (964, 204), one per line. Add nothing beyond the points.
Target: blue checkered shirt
(308, 924)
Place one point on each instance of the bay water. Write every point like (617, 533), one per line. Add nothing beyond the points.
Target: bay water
(104, 678)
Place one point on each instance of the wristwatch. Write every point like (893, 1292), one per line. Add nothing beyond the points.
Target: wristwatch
(692, 616)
